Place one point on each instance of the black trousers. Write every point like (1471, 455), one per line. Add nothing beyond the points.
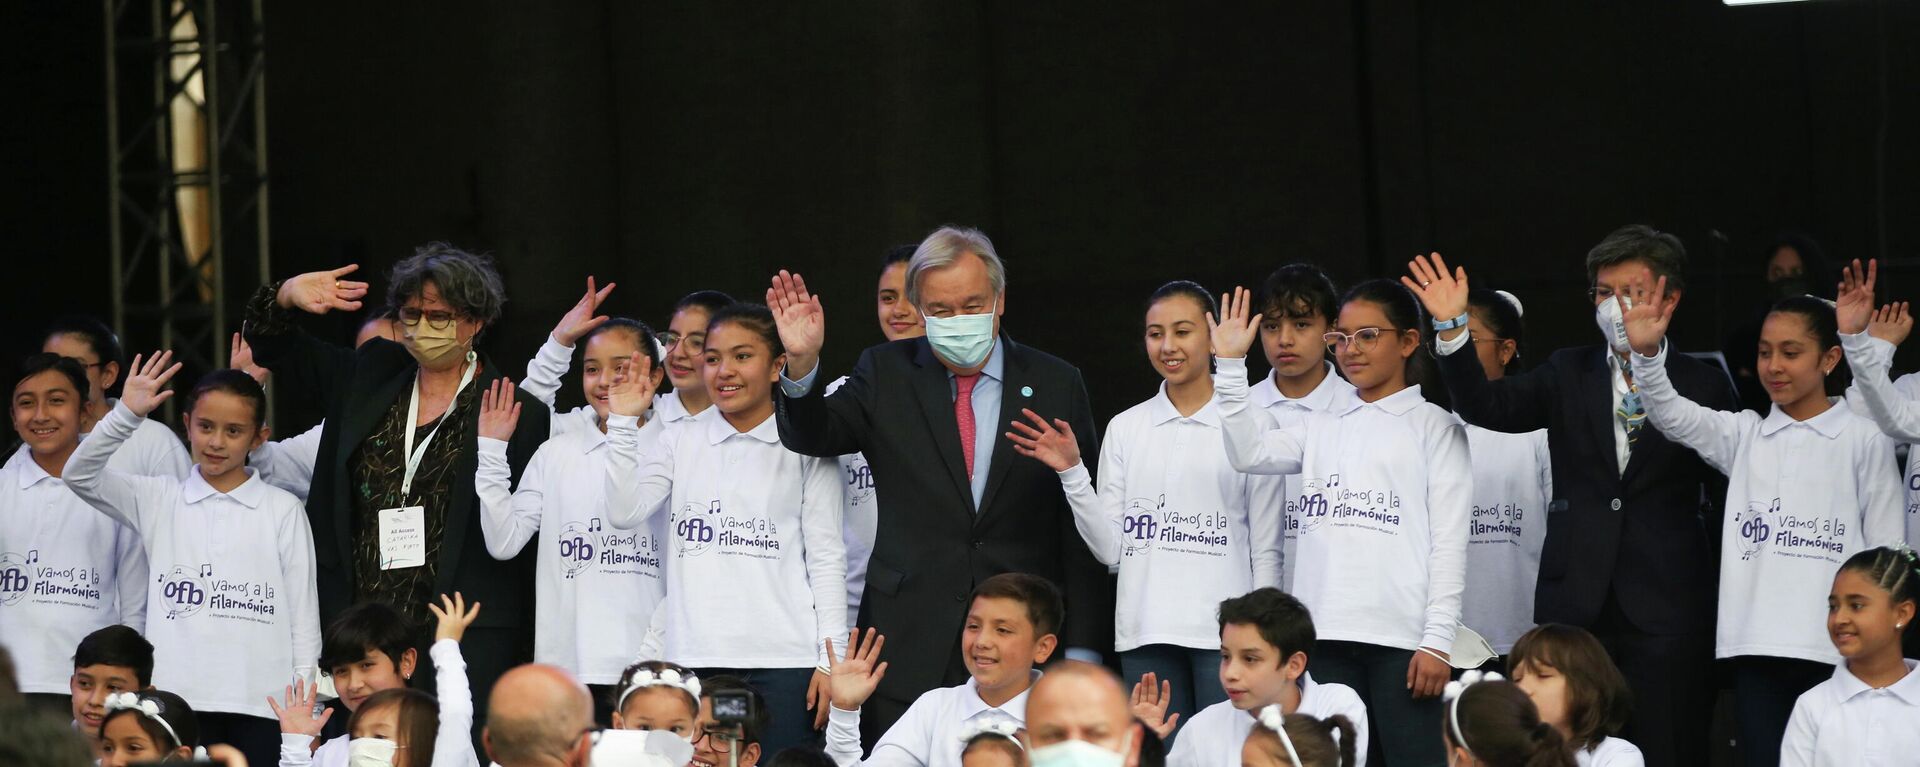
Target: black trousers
(1764, 691)
(256, 737)
(1671, 676)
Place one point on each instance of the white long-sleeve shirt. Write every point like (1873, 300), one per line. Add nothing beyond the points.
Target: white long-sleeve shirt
(1802, 496)
(1844, 723)
(929, 734)
(65, 571)
(152, 451)
(452, 742)
(1214, 736)
(595, 586)
(860, 521)
(544, 372)
(1288, 412)
(1610, 752)
(751, 525)
(233, 610)
(1512, 485)
(1186, 529)
(1897, 413)
(288, 463)
(1383, 528)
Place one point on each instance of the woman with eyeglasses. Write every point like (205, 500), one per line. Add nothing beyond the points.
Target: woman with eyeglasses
(393, 505)
(1387, 485)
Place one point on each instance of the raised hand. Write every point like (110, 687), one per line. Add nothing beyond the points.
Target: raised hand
(146, 388)
(1891, 323)
(857, 675)
(1853, 306)
(1151, 696)
(322, 292)
(499, 411)
(454, 616)
(632, 391)
(581, 320)
(801, 321)
(1234, 333)
(1051, 444)
(296, 714)
(1427, 675)
(1443, 294)
(240, 357)
(1647, 314)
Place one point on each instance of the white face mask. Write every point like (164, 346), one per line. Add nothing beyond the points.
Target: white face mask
(371, 752)
(1079, 753)
(963, 340)
(1613, 326)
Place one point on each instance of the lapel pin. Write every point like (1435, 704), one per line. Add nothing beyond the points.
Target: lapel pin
(1026, 391)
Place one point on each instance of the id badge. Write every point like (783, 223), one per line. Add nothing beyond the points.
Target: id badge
(403, 537)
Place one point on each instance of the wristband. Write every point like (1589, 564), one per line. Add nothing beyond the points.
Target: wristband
(1456, 322)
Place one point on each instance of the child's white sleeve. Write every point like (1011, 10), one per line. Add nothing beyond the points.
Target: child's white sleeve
(453, 744)
(509, 519)
(1714, 434)
(288, 464)
(638, 482)
(910, 741)
(131, 559)
(1869, 357)
(1883, 515)
(133, 501)
(1449, 510)
(1254, 445)
(1096, 514)
(545, 370)
(1796, 747)
(1266, 502)
(163, 456)
(823, 499)
(843, 736)
(296, 750)
(303, 595)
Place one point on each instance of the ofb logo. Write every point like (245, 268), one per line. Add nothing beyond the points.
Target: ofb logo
(16, 578)
(1310, 511)
(695, 528)
(1140, 524)
(577, 548)
(182, 592)
(1755, 526)
(859, 479)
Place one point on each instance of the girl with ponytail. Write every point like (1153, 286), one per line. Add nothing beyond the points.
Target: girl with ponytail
(1299, 740)
(1491, 723)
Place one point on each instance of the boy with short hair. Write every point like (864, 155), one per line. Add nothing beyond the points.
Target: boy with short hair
(1265, 637)
(109, 660)
(1011, 627)
(367, 648)
(1297, 308)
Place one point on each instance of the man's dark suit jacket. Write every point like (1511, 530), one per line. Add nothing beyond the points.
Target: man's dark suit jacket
(931, 547)
(1642, 534)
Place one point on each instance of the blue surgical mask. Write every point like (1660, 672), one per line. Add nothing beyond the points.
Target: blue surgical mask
(963, 340)
(1077, 753)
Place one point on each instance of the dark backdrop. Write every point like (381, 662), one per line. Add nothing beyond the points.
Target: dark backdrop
(1106, 149)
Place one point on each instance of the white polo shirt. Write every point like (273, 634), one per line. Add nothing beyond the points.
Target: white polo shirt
(1844, 723)
(65, 572)
(595, 586)
(861, 520)
(1895, 408)
(1802, 497)
(1610, 752)
(1185, 527)
(288, 463)
(930, 733)
(1512, 485)
(544, 372)
(1387, 487)
(1287, 413)
(750, 525)
(234, 610)
(1215, 736)
(452, 746)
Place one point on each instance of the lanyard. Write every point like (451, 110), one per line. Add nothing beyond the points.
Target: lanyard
(413, 414)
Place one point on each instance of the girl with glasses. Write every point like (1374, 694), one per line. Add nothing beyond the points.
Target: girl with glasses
(1386, 490)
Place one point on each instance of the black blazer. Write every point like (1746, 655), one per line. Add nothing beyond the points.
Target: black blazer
(931, 548)
(1645, 535)
(355, 388)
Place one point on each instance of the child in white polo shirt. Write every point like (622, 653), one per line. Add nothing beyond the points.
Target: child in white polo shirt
(1868, 714)
(1011, 628)
(1265, 638)
(232, 556)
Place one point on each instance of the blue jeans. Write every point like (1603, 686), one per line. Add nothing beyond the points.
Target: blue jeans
(1195, 675)
(785, 691)
(1401, 731)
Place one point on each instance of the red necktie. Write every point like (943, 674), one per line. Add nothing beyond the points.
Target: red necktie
(963, 414)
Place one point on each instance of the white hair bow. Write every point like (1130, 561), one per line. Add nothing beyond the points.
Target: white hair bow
(1272, 719)
(645, 678)
(1456, 690)
(1004, 727)
(148, 707)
